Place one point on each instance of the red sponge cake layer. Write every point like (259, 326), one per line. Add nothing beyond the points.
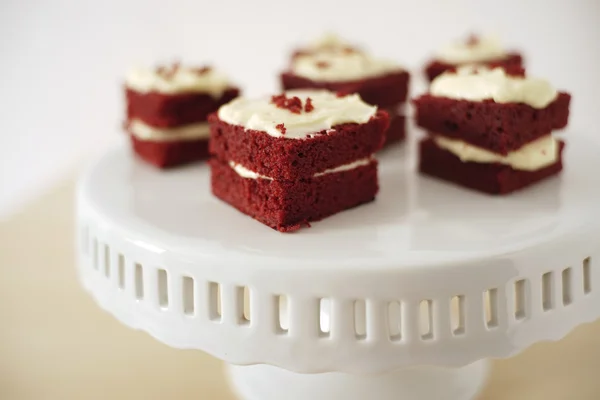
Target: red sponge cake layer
(510, 62)
(397, 130)
(383, 91)
(290, 159)
(287, 205)
(488, 178)
(498, 127)
(170, 110)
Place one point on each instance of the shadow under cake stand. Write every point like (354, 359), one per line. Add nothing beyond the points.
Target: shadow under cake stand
(404, 298)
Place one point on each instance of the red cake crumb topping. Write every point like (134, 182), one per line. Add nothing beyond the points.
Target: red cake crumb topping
(292, 104)
(350, 50)
(169, 71)
(322, 64)
(308, 107)
(202, 70)
(281, 128)
(472, 40)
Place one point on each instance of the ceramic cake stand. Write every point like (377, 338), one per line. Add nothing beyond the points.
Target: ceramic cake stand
(404, 298)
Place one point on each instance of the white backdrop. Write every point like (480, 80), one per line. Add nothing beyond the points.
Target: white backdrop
(62, 61)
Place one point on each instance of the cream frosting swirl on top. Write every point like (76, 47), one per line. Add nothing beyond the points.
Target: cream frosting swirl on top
(327, 111)
(328, 42)
(332, 59)
(341, 66)
(480, 83)
(476, 49)
(178, 79)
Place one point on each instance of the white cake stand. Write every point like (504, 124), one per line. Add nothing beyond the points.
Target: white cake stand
(404, 298)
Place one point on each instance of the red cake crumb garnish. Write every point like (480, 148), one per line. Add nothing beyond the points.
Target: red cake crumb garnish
(322, 64)
(472, 40)
(281, 128)
(341, 94)
(292, 104)
(202, 70)
(308, 107)
(168, 72)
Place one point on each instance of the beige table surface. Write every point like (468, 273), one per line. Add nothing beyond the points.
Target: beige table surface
(56, 344)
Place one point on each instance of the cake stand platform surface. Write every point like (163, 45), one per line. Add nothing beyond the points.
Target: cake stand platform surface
(387, 295)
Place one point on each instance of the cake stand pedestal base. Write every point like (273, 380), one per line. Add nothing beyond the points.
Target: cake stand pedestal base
(264, 382)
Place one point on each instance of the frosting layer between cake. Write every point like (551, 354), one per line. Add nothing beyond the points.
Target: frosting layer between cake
(531, 157)
(327, 111)
(478, 83)
(246, 173)
(143, 131)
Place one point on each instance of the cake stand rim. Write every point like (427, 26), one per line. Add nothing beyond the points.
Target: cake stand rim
(131, 311)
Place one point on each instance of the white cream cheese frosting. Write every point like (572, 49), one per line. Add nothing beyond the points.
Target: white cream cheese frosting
(178, 79)
(341, 66)
(328, 42)
(347, 167)
(477, 83)
(249, 174)
(474, 50)
(143, 131)
(531, 157)
(329, 110)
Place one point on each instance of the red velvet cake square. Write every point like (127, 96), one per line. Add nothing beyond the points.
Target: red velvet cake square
(475, 50)
(296, 157)
(334, 65)
(491, 131)
(167, 111)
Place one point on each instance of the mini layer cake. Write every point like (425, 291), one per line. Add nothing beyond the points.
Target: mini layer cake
(334, 65)
(167, 109)
(475, 50)
(491, 131)
(296, 157)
